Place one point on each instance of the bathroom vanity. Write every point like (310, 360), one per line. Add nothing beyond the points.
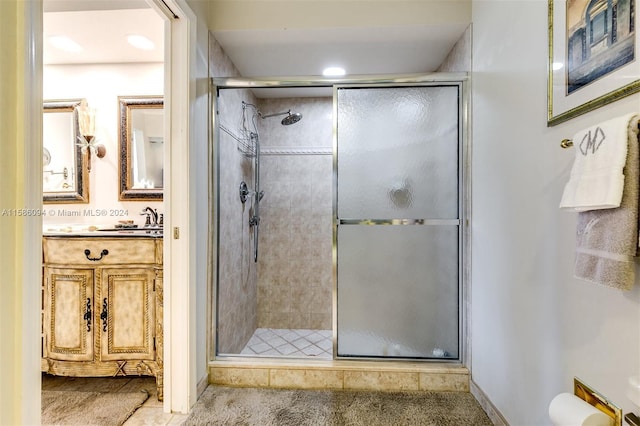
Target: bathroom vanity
(102, 304)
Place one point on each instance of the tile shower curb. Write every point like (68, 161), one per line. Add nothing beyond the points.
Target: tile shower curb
(336, 375)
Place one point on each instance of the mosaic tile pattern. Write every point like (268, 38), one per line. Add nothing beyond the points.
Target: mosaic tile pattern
(296, 343)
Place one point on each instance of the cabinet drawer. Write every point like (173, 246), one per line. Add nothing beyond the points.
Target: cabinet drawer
(101, 251)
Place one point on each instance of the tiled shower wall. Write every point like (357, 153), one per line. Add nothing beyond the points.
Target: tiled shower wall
(237, 290)
(295, 262)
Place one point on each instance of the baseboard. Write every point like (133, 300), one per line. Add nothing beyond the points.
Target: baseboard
(202, 384)
(494, 414)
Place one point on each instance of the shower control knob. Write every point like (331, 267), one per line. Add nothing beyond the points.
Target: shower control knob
(244, 192)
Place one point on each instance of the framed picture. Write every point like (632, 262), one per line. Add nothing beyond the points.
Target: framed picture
(593, 55)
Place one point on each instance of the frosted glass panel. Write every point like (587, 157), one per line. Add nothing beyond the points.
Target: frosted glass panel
(398, 285)
(398, 152)
(398, 291)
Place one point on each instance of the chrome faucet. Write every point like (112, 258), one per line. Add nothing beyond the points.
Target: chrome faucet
(152, 217)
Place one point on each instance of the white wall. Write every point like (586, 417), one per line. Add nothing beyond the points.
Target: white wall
(100, 85)
(533, 326)
(200, 164)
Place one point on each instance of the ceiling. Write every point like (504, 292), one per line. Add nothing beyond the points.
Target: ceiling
(368, 46)
(102, 36)
(371, 50)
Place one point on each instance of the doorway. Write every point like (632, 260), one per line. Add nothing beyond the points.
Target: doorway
(101, 71)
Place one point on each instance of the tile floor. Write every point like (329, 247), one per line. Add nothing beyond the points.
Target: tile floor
(151, 412)
(291, 343)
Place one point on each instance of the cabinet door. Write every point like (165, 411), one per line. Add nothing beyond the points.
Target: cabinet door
(68, 314)
(127, 314)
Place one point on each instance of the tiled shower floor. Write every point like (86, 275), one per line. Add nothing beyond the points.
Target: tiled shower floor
(294, 343)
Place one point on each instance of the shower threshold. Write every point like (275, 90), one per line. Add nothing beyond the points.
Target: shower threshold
(290, 343)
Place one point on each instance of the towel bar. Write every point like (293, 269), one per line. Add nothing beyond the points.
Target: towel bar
(568, 143)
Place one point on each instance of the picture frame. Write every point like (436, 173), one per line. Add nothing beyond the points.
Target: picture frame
(594, 56)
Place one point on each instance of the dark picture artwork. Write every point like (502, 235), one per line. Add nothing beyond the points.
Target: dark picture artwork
(600, 39)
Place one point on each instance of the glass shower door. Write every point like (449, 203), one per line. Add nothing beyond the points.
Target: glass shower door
(397, 221)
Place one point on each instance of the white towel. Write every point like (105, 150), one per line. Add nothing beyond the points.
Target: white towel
(607, 240)
(596, 179)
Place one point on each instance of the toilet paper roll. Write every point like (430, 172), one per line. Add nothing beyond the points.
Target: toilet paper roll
(633, 390)
(568, 410)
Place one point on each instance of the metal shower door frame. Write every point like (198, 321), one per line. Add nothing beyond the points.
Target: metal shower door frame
(459, 78)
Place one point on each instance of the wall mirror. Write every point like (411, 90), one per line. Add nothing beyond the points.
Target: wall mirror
(141, 147)
(65, 178)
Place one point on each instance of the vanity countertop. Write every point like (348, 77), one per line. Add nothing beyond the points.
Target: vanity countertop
(84, 232)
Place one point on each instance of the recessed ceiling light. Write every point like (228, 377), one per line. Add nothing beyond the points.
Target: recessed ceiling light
(333, 72)
(140, 41)
(64, 43)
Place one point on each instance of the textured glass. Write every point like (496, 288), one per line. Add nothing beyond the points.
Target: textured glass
(398, 285)
(398, 291)
(398, 153)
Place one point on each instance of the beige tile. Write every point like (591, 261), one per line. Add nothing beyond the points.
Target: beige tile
(279, 320)
(178, 419)
(306, 379)
(153, 402)
(321, 321)
(380, 380)
(264, 320)
(297, 295)
(301, 299)
(444, 382)
(321, 299)
(239, 376)
(262, 310)
(300, 320)
(148, 416)
(280, 299)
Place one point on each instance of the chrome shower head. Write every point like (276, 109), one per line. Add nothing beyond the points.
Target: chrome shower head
(291, 118)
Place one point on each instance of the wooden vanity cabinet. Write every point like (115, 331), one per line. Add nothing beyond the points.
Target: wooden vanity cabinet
(102, 307)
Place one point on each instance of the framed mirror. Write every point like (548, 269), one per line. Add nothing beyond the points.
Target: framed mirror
(65, 178)
(141, 147)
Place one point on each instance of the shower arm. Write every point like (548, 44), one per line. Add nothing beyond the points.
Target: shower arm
(274, 114)
(259, 113)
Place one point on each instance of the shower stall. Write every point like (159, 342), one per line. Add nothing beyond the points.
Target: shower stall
(340, 235)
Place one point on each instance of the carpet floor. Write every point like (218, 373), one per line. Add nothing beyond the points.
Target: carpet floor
(274, 407)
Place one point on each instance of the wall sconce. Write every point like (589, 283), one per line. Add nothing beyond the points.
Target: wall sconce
(87, 138)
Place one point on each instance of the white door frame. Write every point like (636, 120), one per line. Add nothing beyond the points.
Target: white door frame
(22, 389)
(179, 311)
(179, 204)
